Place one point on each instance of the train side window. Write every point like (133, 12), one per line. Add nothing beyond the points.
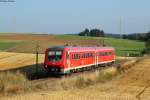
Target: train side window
(93, 55)
(86, 55)
(73, 56)
(76, 56)
(101, 54)
(105, 54)
(109, 53)
(90, 55)
(83, 55)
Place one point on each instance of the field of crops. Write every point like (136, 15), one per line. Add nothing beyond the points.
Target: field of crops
(6, 44)
(28, 46)
(122, 46)
(16, 60)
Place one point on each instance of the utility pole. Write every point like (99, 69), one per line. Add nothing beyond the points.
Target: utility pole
(37, 56)
(103, 42)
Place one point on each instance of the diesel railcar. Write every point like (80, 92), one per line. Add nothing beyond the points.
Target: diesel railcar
(67, 59)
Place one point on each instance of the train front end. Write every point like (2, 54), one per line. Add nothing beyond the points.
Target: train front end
(54, 59)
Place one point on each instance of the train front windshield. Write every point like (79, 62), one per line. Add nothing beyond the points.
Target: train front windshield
(54, 56)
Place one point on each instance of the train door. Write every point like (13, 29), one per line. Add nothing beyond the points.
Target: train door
(68, 60)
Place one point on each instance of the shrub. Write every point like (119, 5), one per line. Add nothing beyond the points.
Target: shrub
(85, 80)
(12, 82)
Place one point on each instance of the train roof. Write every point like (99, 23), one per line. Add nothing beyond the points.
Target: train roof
(79, 48)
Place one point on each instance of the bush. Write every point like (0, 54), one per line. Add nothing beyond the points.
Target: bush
(12, 82)
(89, 79)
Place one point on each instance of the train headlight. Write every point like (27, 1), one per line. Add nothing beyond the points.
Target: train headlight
(62, 70)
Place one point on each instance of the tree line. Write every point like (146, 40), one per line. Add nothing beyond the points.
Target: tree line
(135, 36)
(93, 32)
(147, 44)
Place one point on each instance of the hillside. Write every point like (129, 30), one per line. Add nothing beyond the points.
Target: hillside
(134, 84)
(26, 43)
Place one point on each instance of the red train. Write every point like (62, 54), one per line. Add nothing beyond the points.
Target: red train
(66, 59)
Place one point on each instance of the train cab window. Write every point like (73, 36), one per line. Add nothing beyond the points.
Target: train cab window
(54, 56)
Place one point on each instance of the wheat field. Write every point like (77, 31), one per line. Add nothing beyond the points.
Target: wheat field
(10, 60)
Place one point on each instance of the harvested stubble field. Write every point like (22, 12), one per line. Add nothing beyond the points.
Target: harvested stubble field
(9, 60)
(133, 84)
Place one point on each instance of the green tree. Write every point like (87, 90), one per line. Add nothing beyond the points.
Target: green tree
(93, 32)
(124, 36)
(85, 32)
(147, 44)
(147, 36)
(97, 33)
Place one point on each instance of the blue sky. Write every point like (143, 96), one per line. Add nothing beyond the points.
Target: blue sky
(72, 16)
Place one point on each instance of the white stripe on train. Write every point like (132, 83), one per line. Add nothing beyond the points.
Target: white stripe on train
(68, 69)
